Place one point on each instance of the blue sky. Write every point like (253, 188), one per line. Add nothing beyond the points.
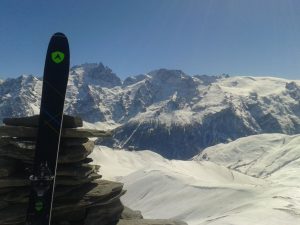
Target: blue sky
(238, 37)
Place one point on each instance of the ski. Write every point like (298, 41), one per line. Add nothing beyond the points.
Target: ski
(56, 73)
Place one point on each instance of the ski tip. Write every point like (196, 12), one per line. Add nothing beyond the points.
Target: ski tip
(59, 34)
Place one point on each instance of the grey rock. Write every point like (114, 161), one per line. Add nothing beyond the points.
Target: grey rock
(61, 180)
(15, 195)
(99, 192)
(95, 74)
(7, 166)
(13, 182)
(29, 143)
(107, 215)
(32, 121)
(20, 131)
(75, 153)
(82, 133)
(66, 155)
(67, 202)
(65, 180)
(13, 214)
(131, 214)
(68, 142)
(97, 196)
(78, 171)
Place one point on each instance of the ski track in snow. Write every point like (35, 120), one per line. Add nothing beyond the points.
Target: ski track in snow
(253, 180)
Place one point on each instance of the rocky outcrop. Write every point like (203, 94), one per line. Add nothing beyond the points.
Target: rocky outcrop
(81, 197)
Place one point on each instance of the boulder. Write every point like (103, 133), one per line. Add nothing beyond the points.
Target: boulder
(131, 214)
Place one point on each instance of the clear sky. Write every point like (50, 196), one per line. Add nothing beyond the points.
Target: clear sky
(238, 37)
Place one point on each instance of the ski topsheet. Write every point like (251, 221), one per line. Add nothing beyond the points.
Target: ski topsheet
(55, 81)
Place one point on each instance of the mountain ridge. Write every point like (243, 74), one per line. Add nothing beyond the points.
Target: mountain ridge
(167, 111)
(252, 180)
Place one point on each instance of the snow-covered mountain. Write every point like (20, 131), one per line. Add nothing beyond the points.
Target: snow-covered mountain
(253, 180)
(167, 111)
(20, 97)
(270, 156)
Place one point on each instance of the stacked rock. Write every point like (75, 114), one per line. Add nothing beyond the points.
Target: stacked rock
(81, 198)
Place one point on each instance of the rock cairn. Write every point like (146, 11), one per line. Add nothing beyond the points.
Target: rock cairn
(81, 197)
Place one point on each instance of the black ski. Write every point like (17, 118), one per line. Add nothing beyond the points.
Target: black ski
(55, 81)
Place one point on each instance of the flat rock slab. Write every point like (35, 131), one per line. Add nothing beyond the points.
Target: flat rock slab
(66, 155)
(75, 170)
(13, 214)
(69, 142)
(78, 171)
(17, 195)
(71, 206)
(81, 195)
(131, 214)
(92, 193)
(29, 143)
(33, 121)
(7, 166)
(106, 215)
(61, 180)
(150, 222)
(73, 181)
(30, 132)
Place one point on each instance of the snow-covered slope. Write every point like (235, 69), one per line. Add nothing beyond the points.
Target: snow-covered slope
(203, 192)
(269, 156)
(180, 115)
(167, 111)
(177, 115)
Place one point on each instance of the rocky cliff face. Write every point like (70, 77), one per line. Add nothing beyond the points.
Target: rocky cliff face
(167, 111)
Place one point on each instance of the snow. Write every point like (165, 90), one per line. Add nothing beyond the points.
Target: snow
(253, 180)
(108, 125)
(264, 86)
(168, 102)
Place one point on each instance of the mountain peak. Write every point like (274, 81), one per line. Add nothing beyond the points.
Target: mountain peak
(165, 74)
(95, 74)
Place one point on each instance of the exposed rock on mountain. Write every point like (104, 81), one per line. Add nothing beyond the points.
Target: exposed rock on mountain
(167, 111)
(94, 74)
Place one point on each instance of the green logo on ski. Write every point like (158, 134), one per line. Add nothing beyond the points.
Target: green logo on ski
(57, 56)
(39, 206)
